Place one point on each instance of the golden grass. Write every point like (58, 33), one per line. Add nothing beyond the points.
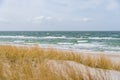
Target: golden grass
(34, 63)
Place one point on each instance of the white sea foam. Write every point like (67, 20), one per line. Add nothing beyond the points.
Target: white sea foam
(19, 41)
(82, 41)
(103, 38)
(19, 37)
(58, 37)
(53, 37)
(88, 45)
(31, 37)
(63, 43)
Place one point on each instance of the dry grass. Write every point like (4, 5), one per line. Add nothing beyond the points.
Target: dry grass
(34, 63)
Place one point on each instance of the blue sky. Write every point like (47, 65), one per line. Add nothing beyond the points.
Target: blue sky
(45, 15)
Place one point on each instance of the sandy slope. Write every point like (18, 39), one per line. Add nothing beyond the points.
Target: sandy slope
(67, 69)
(63, 70)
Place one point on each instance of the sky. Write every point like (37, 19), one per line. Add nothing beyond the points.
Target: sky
(59, 15)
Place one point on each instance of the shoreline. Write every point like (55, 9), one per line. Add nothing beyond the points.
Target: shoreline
(115, 56)
(76, 46)
(66, 49)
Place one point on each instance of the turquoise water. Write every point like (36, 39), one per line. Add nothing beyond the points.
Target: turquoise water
(94, 40)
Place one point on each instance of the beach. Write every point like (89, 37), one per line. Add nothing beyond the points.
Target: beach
(36, 63)
(59, 55)
(59, 39)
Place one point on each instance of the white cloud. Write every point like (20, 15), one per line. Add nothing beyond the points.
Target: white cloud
(86, 19)
(49, 18)
(56, 12)
(41, 19)
(112, 5)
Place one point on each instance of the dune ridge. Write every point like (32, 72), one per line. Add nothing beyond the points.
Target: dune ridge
(35, 63)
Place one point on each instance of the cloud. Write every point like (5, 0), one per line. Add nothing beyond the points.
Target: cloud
(41, 19)
(86, 19)
(62, 13)
(112, 5)
(48, 19)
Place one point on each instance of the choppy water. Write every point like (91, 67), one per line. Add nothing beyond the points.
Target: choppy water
(96, 41)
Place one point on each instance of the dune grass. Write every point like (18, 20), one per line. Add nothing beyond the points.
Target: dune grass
(35, 63)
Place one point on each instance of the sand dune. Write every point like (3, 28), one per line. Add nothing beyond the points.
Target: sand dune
(35, 63)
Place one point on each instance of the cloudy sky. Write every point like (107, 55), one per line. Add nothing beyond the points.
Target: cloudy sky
(44, 15)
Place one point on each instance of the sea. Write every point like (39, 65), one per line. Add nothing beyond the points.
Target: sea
(76, 40)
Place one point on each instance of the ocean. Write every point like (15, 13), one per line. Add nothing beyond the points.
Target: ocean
(79, 40)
